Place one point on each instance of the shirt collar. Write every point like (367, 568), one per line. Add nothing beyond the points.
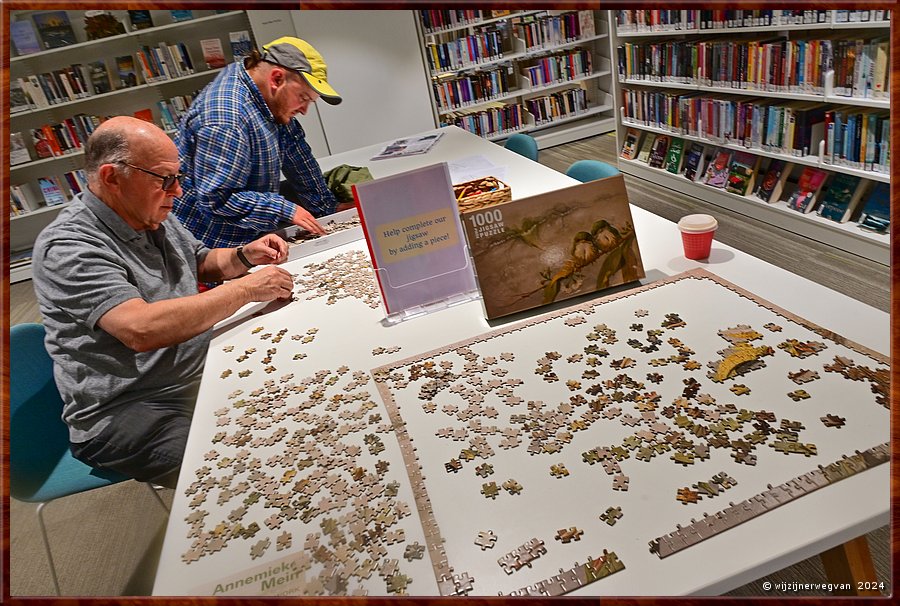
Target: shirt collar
(110, 218)
(255, 95)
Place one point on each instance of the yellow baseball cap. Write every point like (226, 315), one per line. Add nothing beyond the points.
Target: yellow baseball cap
(299, 56)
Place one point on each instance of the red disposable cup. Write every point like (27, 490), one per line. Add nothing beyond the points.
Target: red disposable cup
(697, 232)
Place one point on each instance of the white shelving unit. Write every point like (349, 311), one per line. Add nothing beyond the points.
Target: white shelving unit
(846, 236)
(206, 24)
(597, 118)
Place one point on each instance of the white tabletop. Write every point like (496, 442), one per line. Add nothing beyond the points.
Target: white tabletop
(348, 332)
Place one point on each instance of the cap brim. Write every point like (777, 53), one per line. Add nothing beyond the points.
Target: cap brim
(326, 92)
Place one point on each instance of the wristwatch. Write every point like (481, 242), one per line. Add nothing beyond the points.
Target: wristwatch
(243, 258)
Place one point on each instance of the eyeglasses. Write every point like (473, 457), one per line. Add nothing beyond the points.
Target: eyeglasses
(167, 180)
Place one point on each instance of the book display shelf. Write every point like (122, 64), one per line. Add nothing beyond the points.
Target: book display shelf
(65, 80)
(495, 73)
(803, 93)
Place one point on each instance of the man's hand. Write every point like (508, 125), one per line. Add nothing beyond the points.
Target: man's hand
(268, 250)
(267, 284)
(304, 219)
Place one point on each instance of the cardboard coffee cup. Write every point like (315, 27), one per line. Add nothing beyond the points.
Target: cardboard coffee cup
(697, 233)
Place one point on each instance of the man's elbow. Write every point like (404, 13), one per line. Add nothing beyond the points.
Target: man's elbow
(141, 340)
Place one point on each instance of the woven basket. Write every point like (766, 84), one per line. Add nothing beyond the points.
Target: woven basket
(479, 193)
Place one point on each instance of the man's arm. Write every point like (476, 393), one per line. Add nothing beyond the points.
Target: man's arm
(225, 264)
(144, 326)
(302, 171)
(225, 182)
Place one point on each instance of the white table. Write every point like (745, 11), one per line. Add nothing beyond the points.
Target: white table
(348, 331)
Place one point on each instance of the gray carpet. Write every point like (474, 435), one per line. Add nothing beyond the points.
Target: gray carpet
(107, 542)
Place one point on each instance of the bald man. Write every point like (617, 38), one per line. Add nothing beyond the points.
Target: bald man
(116, 280)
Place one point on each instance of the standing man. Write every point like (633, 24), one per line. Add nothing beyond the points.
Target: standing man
(237, 138)
(116, 281)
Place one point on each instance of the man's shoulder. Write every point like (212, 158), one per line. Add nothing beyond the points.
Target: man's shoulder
(226, 99)
(73, 221)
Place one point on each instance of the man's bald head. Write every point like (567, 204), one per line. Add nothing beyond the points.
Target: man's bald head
(120, 139)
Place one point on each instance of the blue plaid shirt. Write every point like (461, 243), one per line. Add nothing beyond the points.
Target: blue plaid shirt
(232, 151)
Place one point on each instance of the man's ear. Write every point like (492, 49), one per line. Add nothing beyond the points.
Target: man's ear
(109, 176)
(277, 77)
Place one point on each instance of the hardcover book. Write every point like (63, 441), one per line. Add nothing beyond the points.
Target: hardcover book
(809, 185)
(876, 213)
(771, 186)
(51, 190)
(565, 243)
(18, 152)
(182, 15)
(42, 146)
(54, 29)
(24, 38)
(742, 173)
(140, 19)
(18, 98)
(717, 171)
(659, 150)
(127, 72)
(842, 197)
(213, 54)
(630, 145)
(694, 161)
(675, 155)
(99, 76)
(646, 146)
(241, 45)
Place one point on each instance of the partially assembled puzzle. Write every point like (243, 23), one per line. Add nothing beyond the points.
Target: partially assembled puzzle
(555, 455)
(534, 440)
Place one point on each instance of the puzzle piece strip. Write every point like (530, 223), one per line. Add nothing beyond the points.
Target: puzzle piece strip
(578, 576)
(776, 496)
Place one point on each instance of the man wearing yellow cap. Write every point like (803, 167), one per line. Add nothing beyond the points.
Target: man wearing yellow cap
(239, 136)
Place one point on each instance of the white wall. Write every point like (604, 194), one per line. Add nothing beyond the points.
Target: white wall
(375, 63)
(271, 25)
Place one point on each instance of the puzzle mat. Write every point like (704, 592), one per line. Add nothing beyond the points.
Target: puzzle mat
(532, 400)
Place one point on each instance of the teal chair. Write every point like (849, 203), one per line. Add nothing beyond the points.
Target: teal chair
(524, 145)
(41, 467)
(591, 170)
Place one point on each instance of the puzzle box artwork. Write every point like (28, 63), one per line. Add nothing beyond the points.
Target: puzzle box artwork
(553, 246)
(650, 404)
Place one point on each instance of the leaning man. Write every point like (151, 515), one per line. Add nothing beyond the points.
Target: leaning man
(239, 136)
(116, 280)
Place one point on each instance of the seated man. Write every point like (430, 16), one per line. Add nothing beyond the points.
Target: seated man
(116, 281)
(239, 136)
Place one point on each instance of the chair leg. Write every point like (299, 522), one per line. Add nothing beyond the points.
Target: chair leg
(158, 498)
(40, 517)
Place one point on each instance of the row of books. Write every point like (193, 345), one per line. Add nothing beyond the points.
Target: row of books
(495, 119)
(465, 51)
(551, 30)
(561, 104)
(472, 88)
(166, 61)
(794, 66)
(434, 20)
(50, 190)
(70, 135)
(835, 196)
(673, 20)
(853, 136)
(559, 67)
(171, 110)
(55, 29)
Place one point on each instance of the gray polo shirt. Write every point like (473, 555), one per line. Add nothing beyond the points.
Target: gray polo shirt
(87, 261)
